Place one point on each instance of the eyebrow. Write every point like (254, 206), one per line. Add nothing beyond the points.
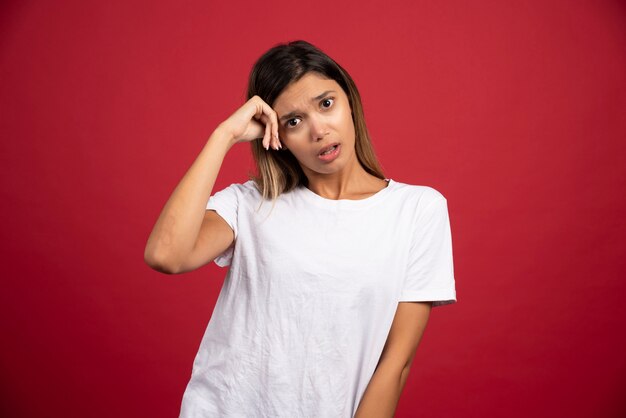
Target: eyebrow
(294, 113)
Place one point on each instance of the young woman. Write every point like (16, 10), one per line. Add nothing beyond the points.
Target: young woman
(330, 287)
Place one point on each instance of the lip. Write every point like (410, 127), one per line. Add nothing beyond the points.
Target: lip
(326, 148)
(332, 156)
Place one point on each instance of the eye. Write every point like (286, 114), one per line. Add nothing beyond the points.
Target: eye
(288, 124)
(325, 103)
(328, 99)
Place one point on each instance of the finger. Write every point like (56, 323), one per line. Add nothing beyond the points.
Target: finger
(267, 137)
(265, 119)
(270, 128)
(274, 118)
(271, 118)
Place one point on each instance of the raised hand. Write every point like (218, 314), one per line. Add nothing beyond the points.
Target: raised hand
(254, 120)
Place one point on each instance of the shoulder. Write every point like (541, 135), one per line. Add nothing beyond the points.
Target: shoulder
(241, 189)
(419, 195)
(426, 207)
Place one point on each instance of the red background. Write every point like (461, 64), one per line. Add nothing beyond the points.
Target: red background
(515, 111)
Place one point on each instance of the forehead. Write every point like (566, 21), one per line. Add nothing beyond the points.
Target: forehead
(301, 92)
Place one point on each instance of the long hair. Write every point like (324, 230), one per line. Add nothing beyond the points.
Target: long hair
(283, 64)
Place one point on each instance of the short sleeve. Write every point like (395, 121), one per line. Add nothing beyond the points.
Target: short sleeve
(225, 203)
(430, 272)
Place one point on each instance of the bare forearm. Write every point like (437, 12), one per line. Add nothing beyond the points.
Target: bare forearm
(178, 225)
(383, 393)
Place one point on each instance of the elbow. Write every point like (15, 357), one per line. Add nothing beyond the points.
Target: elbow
(159, 262)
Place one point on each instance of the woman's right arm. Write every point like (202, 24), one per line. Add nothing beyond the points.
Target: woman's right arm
(186, 235)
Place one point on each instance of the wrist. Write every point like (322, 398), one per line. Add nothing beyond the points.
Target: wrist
(223, 135)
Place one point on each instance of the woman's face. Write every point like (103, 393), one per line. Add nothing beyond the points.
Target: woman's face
(314, 113)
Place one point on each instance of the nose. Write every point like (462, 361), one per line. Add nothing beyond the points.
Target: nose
(318, 128)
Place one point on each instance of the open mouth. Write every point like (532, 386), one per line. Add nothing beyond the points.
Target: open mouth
(330, 153)
(328, 150)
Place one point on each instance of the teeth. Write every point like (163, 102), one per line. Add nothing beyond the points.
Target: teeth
(330, 150)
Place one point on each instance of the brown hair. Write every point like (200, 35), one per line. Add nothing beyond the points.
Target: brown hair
(283, 64)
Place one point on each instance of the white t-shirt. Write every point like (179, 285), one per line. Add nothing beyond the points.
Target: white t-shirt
(310, 296)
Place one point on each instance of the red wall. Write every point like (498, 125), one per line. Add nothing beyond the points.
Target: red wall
(515, 111)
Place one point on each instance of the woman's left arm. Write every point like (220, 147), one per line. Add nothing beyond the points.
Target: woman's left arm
(382, 394)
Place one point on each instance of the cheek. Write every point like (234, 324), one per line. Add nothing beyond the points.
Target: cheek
(345, 122)
(293, 138)
(294, 142)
